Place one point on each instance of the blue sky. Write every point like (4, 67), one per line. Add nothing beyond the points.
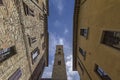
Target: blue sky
(60, 26)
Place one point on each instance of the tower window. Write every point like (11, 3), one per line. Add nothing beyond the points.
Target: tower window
(59, 49)
(101, 73)
(111, 38)
(59, 52)
(1, 2)
(59, 62)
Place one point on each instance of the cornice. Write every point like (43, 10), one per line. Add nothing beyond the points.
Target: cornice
(75, 28)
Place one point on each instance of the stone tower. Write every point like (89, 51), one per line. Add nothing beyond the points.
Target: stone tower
(59, 68)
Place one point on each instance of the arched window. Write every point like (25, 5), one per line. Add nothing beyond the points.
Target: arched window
(59, 62)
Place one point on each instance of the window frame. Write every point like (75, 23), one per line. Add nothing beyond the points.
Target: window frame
(16, 75)
(37, 1)
(33, 52)
(27, 10)
(43, 45)
(59, 53)
(111, 39)
(82, 52)
(82, 2)
(1, 3)
(7, 53)
(59, 62)
(59, 48)
(84, 32)
(101, 73)
(31, 40)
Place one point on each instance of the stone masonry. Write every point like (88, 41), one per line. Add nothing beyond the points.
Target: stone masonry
(23, 24)
(59, 67)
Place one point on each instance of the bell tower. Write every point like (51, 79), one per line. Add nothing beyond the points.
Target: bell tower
(59, 68)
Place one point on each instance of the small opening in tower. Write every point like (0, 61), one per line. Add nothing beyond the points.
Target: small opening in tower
(59, 49)
(59, 62)
(59, 53)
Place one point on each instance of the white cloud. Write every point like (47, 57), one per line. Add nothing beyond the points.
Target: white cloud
(55, 40)
(69, 57)
(72, 75)
(61, 41)
(65, 31)
(59, 5)
(57, 23)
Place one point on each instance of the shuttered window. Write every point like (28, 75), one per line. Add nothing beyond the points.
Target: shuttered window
(1, 2)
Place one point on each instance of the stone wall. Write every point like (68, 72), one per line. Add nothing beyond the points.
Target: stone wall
(17, 29)
(11, 35)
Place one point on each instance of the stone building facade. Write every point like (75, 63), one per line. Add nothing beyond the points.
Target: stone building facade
(59, 67)
(96, 39)
(23, 39)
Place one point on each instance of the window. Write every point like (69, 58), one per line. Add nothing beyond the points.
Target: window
(111, 38)
(37, 1)
(27, 10)
(31, 12)
(16, 2)
(34, 54)
(31, 40)
(43, 45)
(59, 49)
(101, 73)
(59, 53)
(81, 68)
(1, 2)
(41, 17)
(38, 69)
(84, 32)
(45, 20)
(83, 1)
(42, 35)
(59, 62)
(7, 53)
(16, 75)
(83, 53)
(43, 7)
